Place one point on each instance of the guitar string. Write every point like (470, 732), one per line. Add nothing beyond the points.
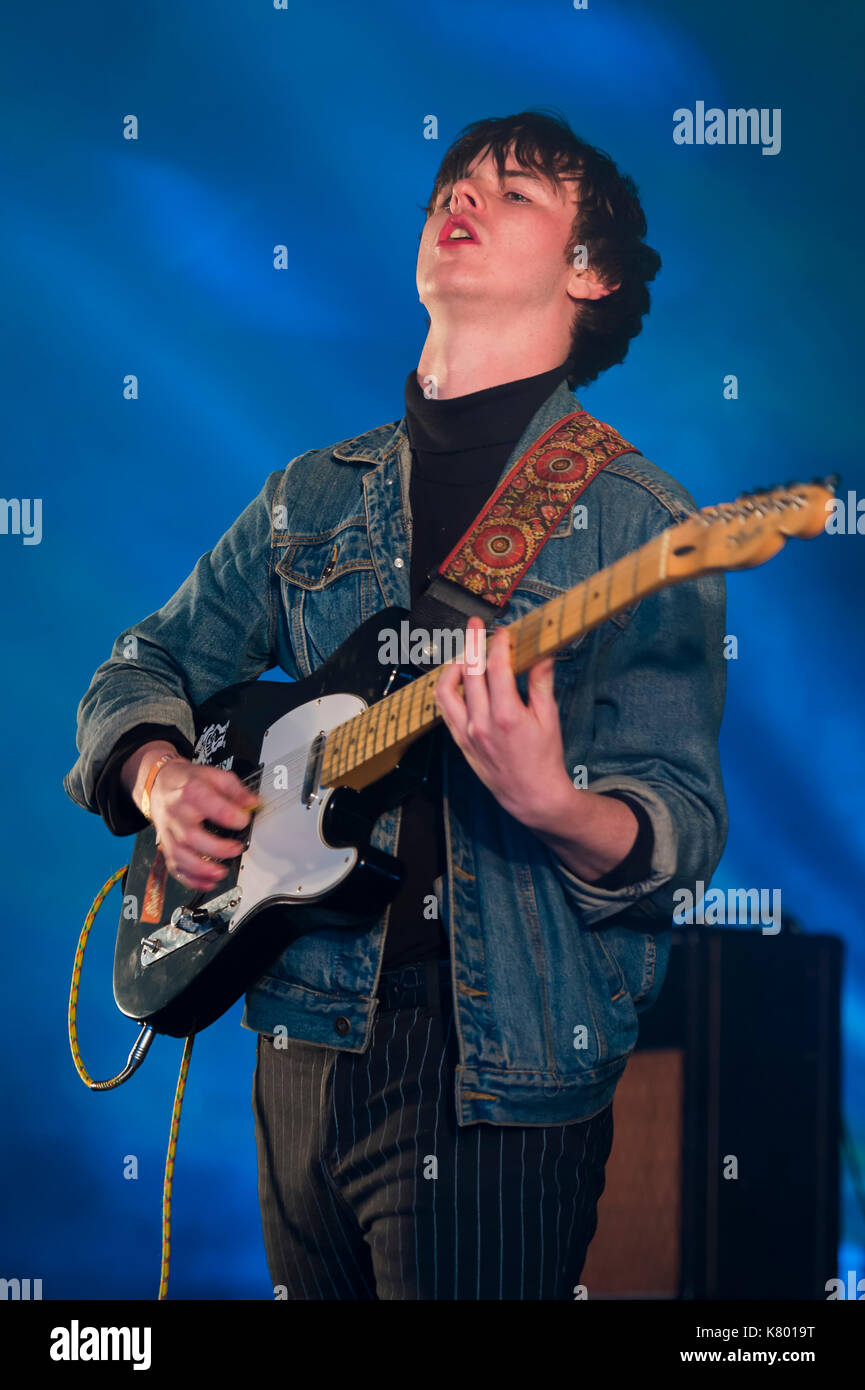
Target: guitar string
(288, 764)
(258, 776)
(274, 803)
(300, 755)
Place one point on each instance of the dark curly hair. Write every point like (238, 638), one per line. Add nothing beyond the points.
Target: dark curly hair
(610, 223)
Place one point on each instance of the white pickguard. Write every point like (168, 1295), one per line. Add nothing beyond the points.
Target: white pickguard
(287, 857)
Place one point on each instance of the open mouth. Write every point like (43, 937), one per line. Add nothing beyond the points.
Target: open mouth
(456, 229)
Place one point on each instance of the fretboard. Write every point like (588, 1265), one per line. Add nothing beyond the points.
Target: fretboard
(400, 718)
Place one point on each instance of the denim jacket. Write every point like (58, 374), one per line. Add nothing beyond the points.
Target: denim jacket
(548, 973)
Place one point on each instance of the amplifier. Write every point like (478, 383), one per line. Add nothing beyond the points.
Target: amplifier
(723, 1180)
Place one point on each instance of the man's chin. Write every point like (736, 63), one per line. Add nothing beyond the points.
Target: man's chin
(458, 288)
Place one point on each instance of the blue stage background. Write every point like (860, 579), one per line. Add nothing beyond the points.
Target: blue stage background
(154, 257)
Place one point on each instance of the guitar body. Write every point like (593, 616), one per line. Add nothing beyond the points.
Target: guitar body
(182, 957)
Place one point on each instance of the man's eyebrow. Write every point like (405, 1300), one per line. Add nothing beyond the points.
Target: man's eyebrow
(520, 173)
(524, 174)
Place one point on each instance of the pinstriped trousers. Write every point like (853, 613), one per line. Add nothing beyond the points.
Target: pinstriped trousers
(370, 1190)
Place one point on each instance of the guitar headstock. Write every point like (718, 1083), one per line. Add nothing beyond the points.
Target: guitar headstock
(739, 535)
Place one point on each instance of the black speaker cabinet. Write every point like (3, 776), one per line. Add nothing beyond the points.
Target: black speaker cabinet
(723, 1181)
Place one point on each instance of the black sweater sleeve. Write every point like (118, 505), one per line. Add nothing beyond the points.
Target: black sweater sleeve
(637, 862)
(116, 806)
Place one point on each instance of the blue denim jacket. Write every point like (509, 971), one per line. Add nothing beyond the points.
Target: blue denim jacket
(548, 972)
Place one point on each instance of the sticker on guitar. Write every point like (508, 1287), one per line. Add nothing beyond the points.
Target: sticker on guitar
(212, 738)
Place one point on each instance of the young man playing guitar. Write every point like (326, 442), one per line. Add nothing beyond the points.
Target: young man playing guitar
(432, 1094)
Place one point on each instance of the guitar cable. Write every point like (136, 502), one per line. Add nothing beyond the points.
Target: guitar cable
(133, 1062)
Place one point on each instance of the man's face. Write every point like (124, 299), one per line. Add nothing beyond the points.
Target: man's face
(515, 258)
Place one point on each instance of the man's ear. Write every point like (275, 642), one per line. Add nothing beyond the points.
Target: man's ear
(585, 284)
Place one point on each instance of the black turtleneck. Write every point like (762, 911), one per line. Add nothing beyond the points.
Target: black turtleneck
(459, 449)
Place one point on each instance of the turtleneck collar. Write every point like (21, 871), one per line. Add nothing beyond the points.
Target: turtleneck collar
(497, 415)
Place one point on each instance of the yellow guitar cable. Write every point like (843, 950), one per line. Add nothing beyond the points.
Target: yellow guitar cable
(136, 1057)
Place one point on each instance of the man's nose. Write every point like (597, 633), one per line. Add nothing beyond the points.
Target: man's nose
(465, 190)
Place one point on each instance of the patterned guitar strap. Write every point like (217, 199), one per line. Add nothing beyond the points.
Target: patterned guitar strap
(486, 564)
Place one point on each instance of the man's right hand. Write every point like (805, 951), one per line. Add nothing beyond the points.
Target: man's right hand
(183, 796)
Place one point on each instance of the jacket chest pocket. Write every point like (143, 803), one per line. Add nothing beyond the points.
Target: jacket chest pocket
(328, 587)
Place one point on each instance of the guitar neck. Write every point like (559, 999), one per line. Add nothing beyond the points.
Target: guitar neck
(356, 749)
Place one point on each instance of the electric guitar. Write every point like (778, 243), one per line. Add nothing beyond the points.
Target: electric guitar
(326, 756)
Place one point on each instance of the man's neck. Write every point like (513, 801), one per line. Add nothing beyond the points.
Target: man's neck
(472, 357)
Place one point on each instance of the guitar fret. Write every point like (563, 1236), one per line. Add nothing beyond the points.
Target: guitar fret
(352, 759)
(380, 726)
(607, 597)
(401, 728)
(594, 599)
(375, 720)
(411, 693)
(339, 751)
(374, 717)
(392, 724)
(333, 754)
(520, 634)
(365, 735)
(429, 705)
(411, 721)
(344, 757)
(532, 629)
(403, 723)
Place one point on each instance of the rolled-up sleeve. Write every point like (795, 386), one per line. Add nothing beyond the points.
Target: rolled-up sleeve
(659, 689)
(217, 630)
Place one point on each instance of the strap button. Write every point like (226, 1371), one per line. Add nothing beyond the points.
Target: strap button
(342, 1025)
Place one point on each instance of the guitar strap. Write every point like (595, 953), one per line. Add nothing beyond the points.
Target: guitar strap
(480, 573)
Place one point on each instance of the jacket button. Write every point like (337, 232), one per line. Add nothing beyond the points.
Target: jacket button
(399, 562)
(342, 1025)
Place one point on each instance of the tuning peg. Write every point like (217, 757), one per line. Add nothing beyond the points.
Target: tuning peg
(833, 482)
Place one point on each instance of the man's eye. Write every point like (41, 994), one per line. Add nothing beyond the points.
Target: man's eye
(512, 193)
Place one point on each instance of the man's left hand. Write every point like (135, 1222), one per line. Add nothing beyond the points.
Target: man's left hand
(514, 747)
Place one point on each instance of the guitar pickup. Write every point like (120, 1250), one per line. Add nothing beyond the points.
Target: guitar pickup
(312, 776)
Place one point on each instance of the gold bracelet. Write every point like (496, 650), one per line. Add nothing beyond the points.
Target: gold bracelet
(151, 778)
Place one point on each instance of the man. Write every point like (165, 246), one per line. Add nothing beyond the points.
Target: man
(433, 1095)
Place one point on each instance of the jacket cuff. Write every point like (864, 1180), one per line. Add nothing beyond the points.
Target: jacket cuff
(80, 782)
(594, 903)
